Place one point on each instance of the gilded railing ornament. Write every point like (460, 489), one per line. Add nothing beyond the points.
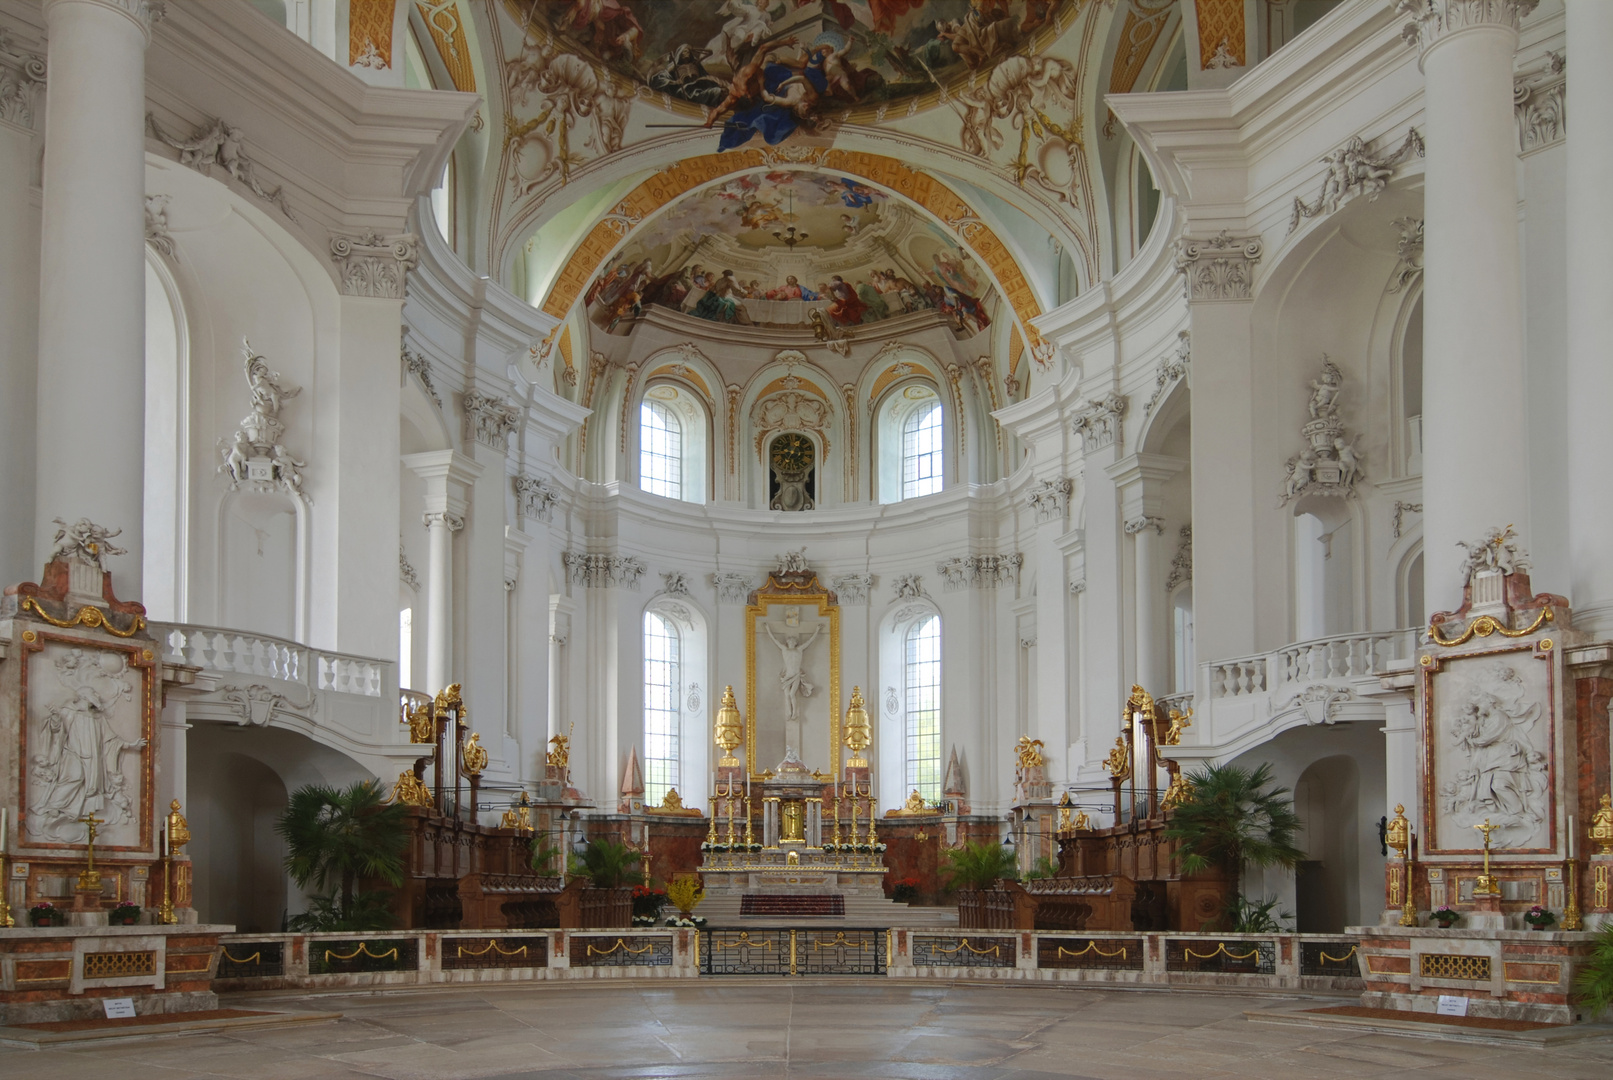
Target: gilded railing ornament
(449, 699)
(1118, 763)
(729, 732)
(410, 791)
(858, 733)
(1028, 752)
(422, 726)
(474, 755)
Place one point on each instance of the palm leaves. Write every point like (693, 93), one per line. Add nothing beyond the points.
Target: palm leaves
(1234, 818)
(335, 836)
(610, 863)
(1594, 985)
(979, 865)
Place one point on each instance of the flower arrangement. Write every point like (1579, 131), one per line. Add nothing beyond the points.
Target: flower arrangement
(44, 913)
(1445, 916)
(879, 848)
(695, 921)
(830, 849)
(1538, 917)
(647, 905)
(905, 890)
(125, 914)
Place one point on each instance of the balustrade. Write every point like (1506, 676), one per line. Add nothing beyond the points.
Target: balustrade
(240, 652)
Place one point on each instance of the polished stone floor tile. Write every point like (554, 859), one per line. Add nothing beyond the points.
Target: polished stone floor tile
(764, 1029)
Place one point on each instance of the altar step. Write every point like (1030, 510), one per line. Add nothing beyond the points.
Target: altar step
(786, 906)
(728, 911)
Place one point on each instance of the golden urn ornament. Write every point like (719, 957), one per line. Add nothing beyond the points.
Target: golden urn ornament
(729, 733)
(1601, 832)
(858, 733)
(178, 828)
(1397, 836)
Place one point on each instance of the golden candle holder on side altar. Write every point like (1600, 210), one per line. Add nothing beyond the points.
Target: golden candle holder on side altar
(175, 835)
(1397, 837)
(1486, 885)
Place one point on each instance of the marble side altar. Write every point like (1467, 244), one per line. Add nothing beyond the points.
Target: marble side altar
(1512, 764)
(87, 828)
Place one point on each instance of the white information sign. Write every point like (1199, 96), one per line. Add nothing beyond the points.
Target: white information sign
(1452, 1005)
(118, 1008)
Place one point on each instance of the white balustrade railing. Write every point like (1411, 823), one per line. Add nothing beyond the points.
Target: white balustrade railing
(240, 652)
(1342, 656)
(1239, 677)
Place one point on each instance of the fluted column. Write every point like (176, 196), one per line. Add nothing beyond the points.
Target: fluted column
(1590, 313)
(1475, 434)
(92, 321)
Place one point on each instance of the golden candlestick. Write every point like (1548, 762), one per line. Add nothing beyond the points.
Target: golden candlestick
(836, 810)
(1571, 914)
(750, 834)
(711, 837)
(89, 879)
(854, 821)
(1486, 884)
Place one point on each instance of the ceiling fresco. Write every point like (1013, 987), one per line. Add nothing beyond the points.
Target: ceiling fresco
(790, 248)
(771, 66)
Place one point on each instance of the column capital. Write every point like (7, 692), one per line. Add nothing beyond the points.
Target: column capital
(1434, 20)
(1220, 268)
(433, 518)
(144, 13)
(1144, 523)
(374, 265)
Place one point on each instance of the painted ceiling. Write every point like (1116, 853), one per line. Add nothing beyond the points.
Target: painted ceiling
(765, 210)
(826, 55)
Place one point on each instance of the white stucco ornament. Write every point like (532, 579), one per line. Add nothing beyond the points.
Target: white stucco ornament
(255, 455)
(1330, 463)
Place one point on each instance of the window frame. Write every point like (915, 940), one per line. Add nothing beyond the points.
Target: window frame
(675, 458)
(662, 771)
(922, 771)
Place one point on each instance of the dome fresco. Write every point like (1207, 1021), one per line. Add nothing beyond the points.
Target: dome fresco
(790, 247)
(771, 67)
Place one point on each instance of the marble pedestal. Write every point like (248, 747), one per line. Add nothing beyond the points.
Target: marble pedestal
(1507, 974)
(66, 972)
(813, 872)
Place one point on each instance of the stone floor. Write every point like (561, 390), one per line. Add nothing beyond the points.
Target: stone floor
(745, 1029)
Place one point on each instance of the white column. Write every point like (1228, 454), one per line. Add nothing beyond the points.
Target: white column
(1590, 313)
(448, 475)
(440, 526)
(92, 305)
(1476, 450)
(1150, 649)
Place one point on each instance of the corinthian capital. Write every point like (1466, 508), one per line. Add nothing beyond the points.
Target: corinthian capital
(1432, 20)
(147, 13)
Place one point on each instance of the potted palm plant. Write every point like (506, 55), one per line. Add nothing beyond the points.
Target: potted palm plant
(609, 867)
(1233, 818)
(1594, 984)
(334, 838)
(974, 870)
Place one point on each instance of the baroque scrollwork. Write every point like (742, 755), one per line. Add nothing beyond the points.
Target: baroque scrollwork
(258, 705)
(1172, 369)
(852, 588)
(596, 571)
(733, 588)
(1353, 172)
(22, 83)
(908, 586)
(1409, 250)
(222, 144)
(1182, 561)
(420, 368)
(570, 91)
(981, 571)
(157, 234)
(86, 541)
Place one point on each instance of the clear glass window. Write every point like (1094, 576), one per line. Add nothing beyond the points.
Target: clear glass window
(662, 691)
(922, 676)
(660, 457)
(921, 452)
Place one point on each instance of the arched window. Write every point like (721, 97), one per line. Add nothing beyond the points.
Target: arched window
(1182, 637)
(660, 453)
(662, 694)
(921, 452)
(921, 676)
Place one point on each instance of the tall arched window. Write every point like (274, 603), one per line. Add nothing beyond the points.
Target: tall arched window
(662, 694)
(921, 676)
(660, 453)
(921, 452)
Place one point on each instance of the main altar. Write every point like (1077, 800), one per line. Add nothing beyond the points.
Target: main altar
(790, 839)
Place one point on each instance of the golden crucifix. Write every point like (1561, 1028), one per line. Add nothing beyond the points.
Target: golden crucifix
(89, 879)
(1486, 884)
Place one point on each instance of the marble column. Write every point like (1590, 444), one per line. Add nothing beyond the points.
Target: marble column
(1590, 314)
(92, 304)
(1140, 480)
(447, 475)
(1475, 436)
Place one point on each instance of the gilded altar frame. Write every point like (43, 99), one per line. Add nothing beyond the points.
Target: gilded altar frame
(786, 590)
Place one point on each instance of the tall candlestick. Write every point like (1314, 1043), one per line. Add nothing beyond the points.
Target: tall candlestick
(5, 828)
(1570, 835)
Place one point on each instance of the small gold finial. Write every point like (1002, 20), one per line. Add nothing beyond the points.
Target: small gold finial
(1397, 836)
